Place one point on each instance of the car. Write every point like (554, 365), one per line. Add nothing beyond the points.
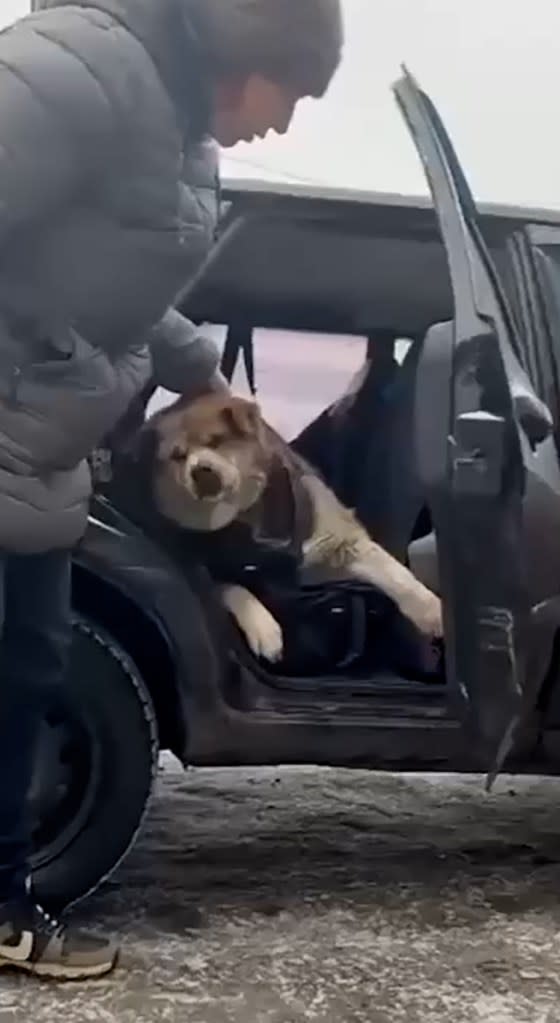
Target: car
(450, 457)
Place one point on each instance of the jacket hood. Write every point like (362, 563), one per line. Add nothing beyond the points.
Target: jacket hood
(168, 31)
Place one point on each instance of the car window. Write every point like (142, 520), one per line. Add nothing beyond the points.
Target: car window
(299, 375)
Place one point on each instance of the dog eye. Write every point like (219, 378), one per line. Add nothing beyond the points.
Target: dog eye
(178, 455)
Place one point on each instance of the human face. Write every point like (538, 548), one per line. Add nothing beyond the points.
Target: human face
(248, 110)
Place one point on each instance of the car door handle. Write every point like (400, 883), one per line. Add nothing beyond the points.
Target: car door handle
(534, 416)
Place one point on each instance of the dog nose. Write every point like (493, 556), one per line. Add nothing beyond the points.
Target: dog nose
(206, 481)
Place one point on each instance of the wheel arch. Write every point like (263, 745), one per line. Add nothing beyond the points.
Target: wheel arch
(135, 630)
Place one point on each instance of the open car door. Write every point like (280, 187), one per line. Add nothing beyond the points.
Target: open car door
(489, 465)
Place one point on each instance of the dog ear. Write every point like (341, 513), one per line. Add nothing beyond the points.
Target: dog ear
(244, 416)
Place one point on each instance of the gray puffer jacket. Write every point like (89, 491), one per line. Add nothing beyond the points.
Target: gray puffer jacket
(107, 208)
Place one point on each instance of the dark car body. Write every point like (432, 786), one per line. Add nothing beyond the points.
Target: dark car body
(478, 293)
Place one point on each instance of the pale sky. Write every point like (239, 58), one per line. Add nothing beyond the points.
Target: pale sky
(492, 67)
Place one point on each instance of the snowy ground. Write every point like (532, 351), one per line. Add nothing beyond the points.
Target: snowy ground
(325, 896)
(281, 896)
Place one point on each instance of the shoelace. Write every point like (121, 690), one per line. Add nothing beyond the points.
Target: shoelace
(49, 924)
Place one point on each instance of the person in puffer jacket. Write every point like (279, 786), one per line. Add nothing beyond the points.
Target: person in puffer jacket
(184, 359)
(105, 109)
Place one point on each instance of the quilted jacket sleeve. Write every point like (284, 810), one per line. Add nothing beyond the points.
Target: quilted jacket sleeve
(51, 137)
(201, 175)
(186, 360)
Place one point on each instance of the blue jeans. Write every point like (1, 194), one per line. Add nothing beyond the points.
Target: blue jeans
(35, 595)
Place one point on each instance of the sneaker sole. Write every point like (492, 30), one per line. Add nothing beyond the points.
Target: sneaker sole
(56, 971)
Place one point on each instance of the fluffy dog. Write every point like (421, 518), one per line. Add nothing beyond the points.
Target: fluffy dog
(214, 462)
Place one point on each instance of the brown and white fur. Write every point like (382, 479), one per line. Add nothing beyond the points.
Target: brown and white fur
(215, 461)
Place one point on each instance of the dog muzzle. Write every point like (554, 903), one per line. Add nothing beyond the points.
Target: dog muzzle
(213, 493)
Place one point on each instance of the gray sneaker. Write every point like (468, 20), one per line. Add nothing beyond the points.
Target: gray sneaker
(31, 941)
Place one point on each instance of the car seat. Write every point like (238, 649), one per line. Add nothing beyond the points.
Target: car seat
(423, 561)
(364, 447)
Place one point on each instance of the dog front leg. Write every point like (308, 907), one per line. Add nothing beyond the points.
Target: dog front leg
(261, 630)
(417, 603)
(339, 541)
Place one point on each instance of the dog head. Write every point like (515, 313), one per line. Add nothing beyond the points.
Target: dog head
(211, 460)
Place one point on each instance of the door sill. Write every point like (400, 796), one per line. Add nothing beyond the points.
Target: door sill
(381, 695)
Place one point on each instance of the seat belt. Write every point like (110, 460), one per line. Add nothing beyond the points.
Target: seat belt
(239, 340)
(353, 434)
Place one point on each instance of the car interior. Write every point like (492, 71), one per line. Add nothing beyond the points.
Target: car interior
(363, 451)
(378, 271)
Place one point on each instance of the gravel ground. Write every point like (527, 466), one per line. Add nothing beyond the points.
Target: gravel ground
(278, 896)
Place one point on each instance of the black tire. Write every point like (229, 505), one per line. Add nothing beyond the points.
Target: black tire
(96, 767)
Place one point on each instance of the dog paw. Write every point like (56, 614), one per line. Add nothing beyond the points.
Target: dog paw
(261, 630)
(264, 635)
(426, 613)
